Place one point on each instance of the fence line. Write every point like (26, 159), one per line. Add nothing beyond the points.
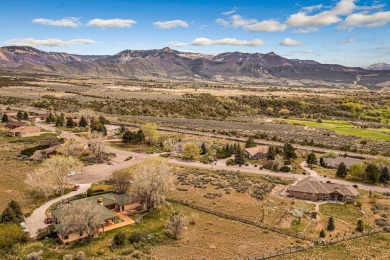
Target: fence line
(313, 243)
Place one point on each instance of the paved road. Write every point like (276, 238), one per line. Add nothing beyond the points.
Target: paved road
(35, 221)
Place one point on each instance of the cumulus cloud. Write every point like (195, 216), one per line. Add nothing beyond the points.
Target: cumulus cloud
(51, 42)
(347, 41)
(66, 22)
(290, 42)
(230, 12)
(252, 25)
(365, 20)
(324, 18)
(121, 23)
(225, 41)
(309, 9)
(170, 24)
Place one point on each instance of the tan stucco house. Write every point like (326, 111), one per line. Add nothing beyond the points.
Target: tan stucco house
(256, 153)
(26, 131)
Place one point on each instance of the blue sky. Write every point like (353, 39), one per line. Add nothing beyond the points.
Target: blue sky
(348, 32)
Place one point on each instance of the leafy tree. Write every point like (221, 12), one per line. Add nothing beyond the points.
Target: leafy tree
(357, 170)
(250, 143)
(289, 151)
(311, 159)
(15, 207)
(70, 123)
(342, 170)
(10, 235)
(25, 115)
(203, 149)
(239, 158)
(83, 122)
(150, 132)
(385, 175)
(322, 233)
(330, 225)
(118, 240)
(121, 180)
(271, 153)
(133, 137)
(19, 115)
(372, 173)
(8, 216)
(360, 226)
(4, 118)
(191, 151)
(278, 163)
(103, 120)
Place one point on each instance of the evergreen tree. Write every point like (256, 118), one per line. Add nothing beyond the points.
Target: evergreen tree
(372, 173)
(60, 120)
(48, 119)
(19, 115)
(289, 151)
(250, 143)
(239, 158)
(271, 153)
(360, 226)
(330, 225)
(103, 120)
(4, 118)
(385, 176)
(83, 122)
(8, 216)
(322, 233)
(70, 123)
(203, 149)
(25, 116)
(311, 159)
(342, 170)
(322, 163)
(17, 210)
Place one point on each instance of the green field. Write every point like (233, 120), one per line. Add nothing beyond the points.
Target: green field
(345, 127)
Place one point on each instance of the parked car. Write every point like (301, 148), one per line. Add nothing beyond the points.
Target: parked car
(76, 187)
(48, 220)
(72, 173)
(24, 226)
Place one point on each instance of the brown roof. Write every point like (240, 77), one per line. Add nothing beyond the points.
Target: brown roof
(258, 149)
(26, 129)
(314, 186)
(14, 124)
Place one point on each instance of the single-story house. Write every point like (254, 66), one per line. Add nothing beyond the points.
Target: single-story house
(41, 117)
(10, 113)
(335, 162)
(112, 129)
(26, 131)
(15, 124)
(110, 203)
(312, 189)
(255, 153)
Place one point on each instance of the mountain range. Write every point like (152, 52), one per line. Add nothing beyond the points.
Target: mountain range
(170, 64)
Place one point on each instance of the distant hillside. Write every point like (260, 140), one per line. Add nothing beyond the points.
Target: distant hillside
(170, 64)
(378, 66)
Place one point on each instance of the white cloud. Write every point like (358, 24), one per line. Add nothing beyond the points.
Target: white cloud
(309, 9)
(51, 42)
(324, 18)
(121, 23)
(66, 22)
(226, 41)
(347, 41)
(178, 44)
(366, 20)
(305, 30)
(252, 25)
(290, 42)
(304, 52)
(170, 24)
(230, 12)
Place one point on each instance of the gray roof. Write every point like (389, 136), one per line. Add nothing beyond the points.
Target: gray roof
(314, 186)
(346, 160)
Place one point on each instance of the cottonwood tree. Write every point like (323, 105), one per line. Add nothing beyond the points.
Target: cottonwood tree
(81, 217)
(191, 151)
(71, 148)
(278, 162)
(151, 180)
(40, 183)
(357, 170)
(121, 180)
(175, 225)
(150, 132)
(58, 167)
(97, 146)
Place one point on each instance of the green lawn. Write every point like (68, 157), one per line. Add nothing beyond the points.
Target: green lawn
(346, 212)
(43, 135)
(345, 127)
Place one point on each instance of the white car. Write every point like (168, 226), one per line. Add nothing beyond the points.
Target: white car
(72, 173)
(24, 226)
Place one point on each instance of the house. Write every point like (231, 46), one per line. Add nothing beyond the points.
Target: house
(26, 131)
(109, 213)
(335, 162)
(256, 153)
(15, 124)
(41, 117)
(10, 113)
(312, 189)
(112, 129)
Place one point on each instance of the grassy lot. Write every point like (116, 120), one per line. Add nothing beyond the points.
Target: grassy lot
(348, 212)
(345, 127)
(372, 247)
(42, 136)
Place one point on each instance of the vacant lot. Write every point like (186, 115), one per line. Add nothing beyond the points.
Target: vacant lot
(372, 247)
